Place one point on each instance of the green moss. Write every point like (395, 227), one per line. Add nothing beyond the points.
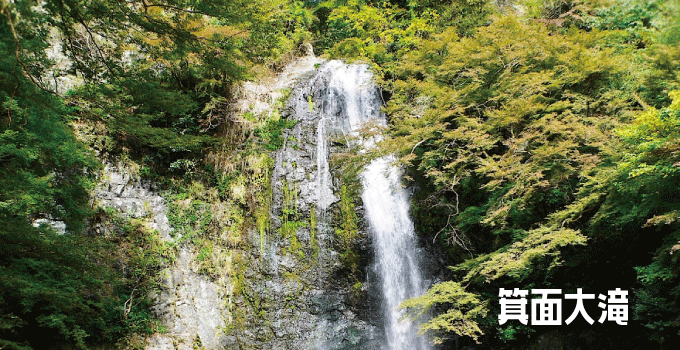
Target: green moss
(291, 219)
(313, 230)
(291, 276)
(348, 231)
(288, 230)
(262, 222)
(271, 133)
(239, 319)
(290, 199)
(198, 344)
(205, 253)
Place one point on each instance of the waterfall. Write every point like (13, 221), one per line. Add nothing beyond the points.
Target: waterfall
(387, 213)
(324, 193)
(352, 102)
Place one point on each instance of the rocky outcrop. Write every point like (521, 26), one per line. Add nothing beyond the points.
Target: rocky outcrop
(121, 190)
(191, 308)
(57, 225)
(190, 305)
(296, 291)
(288, 288)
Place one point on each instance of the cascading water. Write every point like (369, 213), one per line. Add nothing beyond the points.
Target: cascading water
(387, 213)
(352, 101)
(325, 195)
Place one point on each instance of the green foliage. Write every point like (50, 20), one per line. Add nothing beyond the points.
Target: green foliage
(58, 286)
(165, 122)
(158, 75)
(383, 31)
(628, 14)
(538, 252)
(655, 129)
(462, 15)
(66, 290)
(380, 33)
(43, 165)
(272, 132)
(462, 311)
(649, 174)
(49, 295)
(663, 74)
(348, 230)
(512, 136)
(509, 120)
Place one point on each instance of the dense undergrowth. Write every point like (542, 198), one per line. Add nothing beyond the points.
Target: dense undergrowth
(542, 134)
(157, 83)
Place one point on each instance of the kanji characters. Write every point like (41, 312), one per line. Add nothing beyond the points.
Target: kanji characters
(513, 309)
(546, 310)
(580, 309)
(617, 309)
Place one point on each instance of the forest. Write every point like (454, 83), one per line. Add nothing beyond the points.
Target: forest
(543, 137)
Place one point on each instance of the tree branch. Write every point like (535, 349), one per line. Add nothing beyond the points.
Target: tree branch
(18, 48)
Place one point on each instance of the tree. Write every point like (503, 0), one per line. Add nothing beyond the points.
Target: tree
(157, 75)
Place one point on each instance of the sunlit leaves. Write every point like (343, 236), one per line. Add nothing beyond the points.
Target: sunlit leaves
(655, 135)
(463, 311)
(380, 34)
(512, 130)
(513, 112)
(539, 247)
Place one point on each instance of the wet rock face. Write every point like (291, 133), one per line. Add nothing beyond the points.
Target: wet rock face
(297, 290)
(291, 289)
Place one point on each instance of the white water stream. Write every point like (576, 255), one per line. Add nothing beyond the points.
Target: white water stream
(352, 102)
